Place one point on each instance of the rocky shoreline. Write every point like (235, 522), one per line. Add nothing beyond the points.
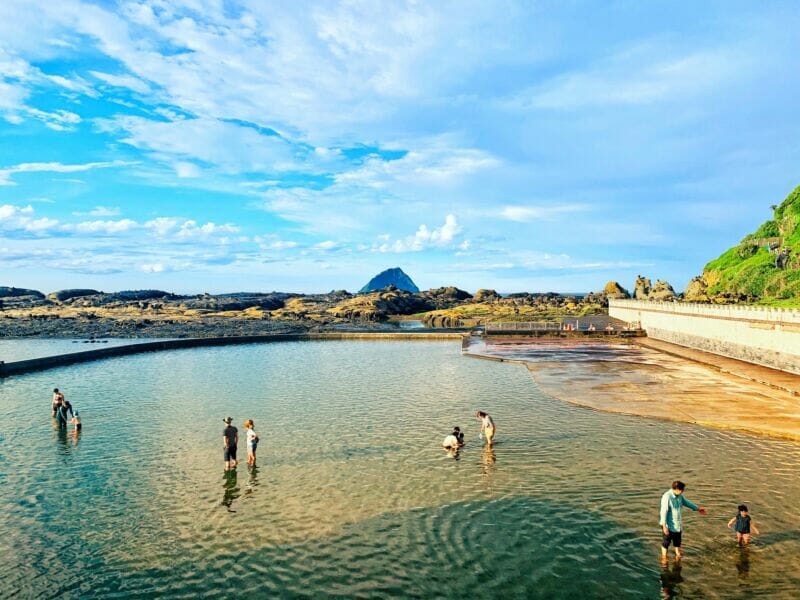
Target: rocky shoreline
(82, 313)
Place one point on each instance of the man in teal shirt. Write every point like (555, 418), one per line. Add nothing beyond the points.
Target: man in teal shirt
(672, 502)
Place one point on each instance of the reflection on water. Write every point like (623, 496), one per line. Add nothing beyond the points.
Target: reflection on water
(671, 578)
(230, 489)
(354, 497)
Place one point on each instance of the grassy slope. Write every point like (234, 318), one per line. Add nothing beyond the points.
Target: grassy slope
(748, 270)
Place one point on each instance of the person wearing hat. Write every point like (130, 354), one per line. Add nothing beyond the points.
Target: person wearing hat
(230, 440)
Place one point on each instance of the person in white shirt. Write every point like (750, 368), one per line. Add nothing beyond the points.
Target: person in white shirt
(487, 426)
(454, 441)
(252, 441)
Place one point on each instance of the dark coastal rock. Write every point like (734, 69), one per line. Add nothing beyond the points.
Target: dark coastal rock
(64, 295)
(445, 297)
(12, 292)
(395, 277)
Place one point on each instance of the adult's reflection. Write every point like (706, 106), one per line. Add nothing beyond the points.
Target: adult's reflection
(670, 579)
(230, 489)
(488, 460)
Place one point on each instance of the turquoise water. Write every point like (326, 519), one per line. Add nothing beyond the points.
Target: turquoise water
(13, 349)
(352, 495)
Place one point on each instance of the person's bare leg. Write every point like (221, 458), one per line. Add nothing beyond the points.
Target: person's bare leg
(678, 554)
(746, 538)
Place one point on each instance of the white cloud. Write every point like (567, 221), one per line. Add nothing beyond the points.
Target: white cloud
(326, 245)
(100, 211)
(55, 167)
(424, 238)
(231, 147)
(185, 229)
(186, 170)
(102, 227)
(152, 268)
(527, 213)
(126, 81)
(15, 219)
(643, 74)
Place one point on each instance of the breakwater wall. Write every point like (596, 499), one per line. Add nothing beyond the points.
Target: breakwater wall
(51, 362)
(759, 335)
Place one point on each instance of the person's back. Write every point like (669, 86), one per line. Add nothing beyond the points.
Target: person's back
(454, 440)
(450, 442)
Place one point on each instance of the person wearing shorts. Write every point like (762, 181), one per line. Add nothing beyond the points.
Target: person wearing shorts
(672, 502)
(252, 441)
(743, 524)
(230, 440)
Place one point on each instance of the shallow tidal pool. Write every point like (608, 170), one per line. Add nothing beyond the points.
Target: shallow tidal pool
(353, 496)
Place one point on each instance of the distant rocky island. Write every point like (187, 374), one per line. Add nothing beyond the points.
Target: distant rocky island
(394, 277)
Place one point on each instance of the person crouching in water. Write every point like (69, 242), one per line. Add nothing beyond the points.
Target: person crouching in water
(487, 426)
(454, 441)
(252, 442)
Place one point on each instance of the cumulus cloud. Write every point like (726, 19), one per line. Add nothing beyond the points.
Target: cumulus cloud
(20, 220)
(100, 227)
(186, 229)
(424, 238)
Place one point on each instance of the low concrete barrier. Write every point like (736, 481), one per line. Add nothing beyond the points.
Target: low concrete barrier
(51, 362)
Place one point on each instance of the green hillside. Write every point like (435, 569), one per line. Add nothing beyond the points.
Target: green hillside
(748, 272)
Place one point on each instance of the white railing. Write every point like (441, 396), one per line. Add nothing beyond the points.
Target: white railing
(731, 311)
(524, 326)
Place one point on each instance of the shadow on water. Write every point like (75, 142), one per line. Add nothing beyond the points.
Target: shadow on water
(519, 547)
(230, 489)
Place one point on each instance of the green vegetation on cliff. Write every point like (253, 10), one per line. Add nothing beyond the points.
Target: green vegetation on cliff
(748, 272)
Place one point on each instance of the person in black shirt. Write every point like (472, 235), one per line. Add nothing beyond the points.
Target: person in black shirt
(230, 440)
(743, 525)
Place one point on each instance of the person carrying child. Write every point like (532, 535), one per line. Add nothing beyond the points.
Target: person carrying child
(743, 525)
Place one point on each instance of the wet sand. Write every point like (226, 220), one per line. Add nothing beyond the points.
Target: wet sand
(638, 379)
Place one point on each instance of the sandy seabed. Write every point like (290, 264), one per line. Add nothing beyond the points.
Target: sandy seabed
(654, 381)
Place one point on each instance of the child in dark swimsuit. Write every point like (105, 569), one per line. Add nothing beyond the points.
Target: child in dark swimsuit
(743, 525)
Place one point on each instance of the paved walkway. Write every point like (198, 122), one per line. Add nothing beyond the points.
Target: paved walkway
(780, 380)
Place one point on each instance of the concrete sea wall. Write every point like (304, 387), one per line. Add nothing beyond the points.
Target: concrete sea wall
(50, 362)
(759, 335)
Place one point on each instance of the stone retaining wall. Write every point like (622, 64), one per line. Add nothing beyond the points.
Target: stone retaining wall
(50, 362)
(759, 335)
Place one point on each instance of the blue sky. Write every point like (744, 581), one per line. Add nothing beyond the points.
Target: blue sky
(221, 145)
